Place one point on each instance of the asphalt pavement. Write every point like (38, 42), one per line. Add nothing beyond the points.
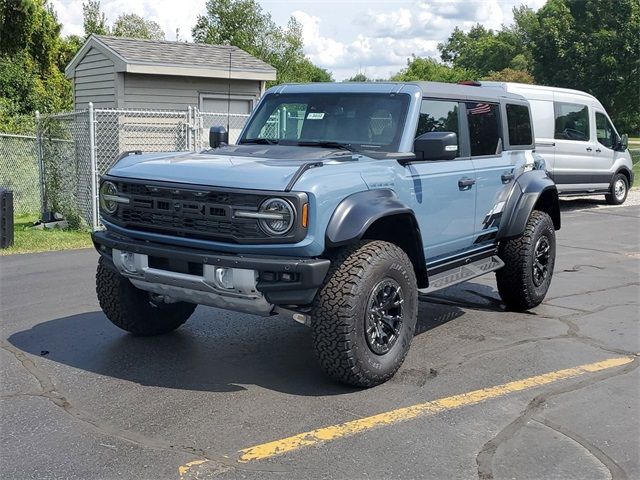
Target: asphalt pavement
(484, 393)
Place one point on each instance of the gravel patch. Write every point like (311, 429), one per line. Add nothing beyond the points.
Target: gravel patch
(568, 204)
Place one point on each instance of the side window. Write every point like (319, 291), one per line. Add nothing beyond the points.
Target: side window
(572, 121)
(439, 116)
(519, 125)
(604, 130)
(484, 128)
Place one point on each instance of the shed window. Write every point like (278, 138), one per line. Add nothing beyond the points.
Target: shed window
(572, 121)
(519, 125)
(484, 128)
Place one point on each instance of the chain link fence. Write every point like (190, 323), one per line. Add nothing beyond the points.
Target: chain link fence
(20, 171)
(58, 168)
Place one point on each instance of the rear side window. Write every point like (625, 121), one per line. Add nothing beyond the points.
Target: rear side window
(604, 130)
(484, 128)
(572, 121)
(519, 125)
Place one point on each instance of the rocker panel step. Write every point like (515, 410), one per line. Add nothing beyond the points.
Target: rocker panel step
(463, 273)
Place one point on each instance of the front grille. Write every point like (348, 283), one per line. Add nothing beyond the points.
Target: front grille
(185, 212)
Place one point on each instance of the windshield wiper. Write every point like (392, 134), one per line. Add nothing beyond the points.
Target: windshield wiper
(260, 141)
(321, 144)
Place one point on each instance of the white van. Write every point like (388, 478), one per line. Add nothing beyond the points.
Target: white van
(583, 151)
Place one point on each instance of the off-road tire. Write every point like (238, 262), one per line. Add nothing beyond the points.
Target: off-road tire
(340, 309)
(131, 309)
(611, 197)
(515, 280)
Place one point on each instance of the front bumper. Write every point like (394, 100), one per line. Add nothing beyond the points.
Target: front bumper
(186, 273)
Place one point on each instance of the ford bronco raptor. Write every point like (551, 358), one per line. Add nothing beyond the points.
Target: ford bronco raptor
(338, 205)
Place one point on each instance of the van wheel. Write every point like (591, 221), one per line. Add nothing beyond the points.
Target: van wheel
(131, 309)
(618, 190)
(528, 264)
(364, 316)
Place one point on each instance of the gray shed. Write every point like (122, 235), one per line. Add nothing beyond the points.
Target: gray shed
(126, 73)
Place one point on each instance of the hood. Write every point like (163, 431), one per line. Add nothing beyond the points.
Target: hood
(259, 167)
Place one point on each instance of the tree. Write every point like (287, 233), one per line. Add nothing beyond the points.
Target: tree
(31, 53)
(419, 68)
(510, 75)
(358, 77)
(244, 24)
(134, 26)
(590, 45)
(94, 20)
(482, 50)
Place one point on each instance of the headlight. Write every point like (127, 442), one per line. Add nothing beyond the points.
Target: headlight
(109, 197)
(281, 213)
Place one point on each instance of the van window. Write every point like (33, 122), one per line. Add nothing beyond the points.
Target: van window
(572, 121)
(604, 130)
(439, 116)
(484, 128)
(519, 125)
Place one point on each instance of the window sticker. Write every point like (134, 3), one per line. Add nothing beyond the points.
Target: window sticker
(315, 116)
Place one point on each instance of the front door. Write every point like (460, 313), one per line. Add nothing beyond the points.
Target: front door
(604, 154)
(443, 192)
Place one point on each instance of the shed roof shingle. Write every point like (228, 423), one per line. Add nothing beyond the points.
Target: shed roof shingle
(181, 53)
(142, 55)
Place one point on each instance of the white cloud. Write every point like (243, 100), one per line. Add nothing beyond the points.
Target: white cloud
(343, 36)
(169, 14)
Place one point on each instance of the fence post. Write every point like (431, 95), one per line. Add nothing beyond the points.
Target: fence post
(94, 170)
(40, 155)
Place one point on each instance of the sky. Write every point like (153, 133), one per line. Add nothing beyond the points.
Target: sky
(346, 37)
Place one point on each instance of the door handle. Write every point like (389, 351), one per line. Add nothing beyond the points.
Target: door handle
(466, 183)
(507, 177)
(589, 149)
(598, 150)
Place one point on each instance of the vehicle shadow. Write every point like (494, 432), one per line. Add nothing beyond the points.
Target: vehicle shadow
(216, 351)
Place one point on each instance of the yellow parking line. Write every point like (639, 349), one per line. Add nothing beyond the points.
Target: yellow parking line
(334, 432)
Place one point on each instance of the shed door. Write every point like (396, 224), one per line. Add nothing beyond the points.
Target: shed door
(220, 105)
(214, 112)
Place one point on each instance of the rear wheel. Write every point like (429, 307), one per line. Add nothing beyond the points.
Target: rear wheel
(364, 316)
(618, 190)
(132, 309)
(529, 260)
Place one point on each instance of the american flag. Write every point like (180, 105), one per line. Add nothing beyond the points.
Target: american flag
(480, 109)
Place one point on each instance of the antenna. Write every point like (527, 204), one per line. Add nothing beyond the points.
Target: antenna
(229, 95)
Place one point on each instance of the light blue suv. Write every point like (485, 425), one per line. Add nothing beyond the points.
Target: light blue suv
(339, 204)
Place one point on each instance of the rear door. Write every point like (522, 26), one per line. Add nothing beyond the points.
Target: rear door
(573, 166)
(494, 169)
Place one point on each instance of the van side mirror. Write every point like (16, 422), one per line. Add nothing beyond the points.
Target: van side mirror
(218, 136)
(623, 143)
(436, 146)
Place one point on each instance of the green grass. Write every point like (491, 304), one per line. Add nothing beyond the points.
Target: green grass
(30, 240)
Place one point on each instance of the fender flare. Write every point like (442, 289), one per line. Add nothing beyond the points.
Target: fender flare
(527, 191)
(357, 212)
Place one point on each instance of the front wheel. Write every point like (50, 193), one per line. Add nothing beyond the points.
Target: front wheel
(618, 190)
(132, 309)
(364, 316)
(529, 261)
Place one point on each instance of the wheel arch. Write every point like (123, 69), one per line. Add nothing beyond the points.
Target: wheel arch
(627, 173)
(378, 215)
(533, 191)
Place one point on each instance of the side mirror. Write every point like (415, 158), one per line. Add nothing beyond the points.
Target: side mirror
(623, 143)
(436, 146)
(218, 136)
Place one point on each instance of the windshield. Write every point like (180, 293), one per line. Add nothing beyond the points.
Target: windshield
(356, 121)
